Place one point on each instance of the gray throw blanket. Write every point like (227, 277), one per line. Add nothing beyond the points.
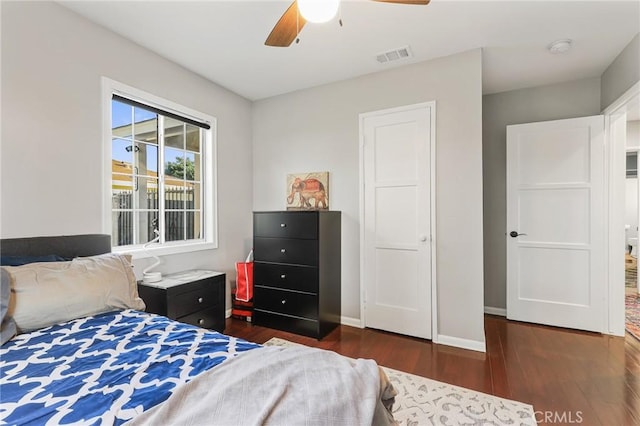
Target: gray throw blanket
(280, 386)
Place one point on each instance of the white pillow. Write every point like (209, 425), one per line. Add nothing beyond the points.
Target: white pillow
(54, 292)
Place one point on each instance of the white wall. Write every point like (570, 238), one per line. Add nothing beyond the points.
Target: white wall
(51, 177)
(317, 130)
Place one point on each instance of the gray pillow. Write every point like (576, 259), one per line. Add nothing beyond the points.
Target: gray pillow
(8, 325)
(54, 292)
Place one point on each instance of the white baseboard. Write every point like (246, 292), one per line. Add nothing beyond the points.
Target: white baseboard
(352, 322)
(227, 313)
(495, 311)
(473, 345)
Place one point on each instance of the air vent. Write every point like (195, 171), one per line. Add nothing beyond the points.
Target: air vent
(394, 55)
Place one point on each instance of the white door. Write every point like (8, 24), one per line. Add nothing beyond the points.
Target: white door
(555, 202)
(396, 263)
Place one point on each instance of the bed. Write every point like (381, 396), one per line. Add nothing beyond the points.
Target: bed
(85, 352)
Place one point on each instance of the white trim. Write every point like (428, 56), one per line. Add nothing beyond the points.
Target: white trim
(157, 102)
(473, 345)
(622, 101)
(351, 322)
(495, 311)
(431, 105)
(434, 288)
(361, 217)
(139, 252)
(107, 90)
(227, 313)
(209, 180)
(615, 213)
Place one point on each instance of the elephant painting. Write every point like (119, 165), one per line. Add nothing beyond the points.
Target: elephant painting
(307, 191)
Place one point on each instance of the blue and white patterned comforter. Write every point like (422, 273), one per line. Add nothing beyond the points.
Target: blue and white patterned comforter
(104, 369)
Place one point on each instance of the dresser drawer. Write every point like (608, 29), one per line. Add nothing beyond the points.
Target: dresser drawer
(301, 278)
(286, 225)
(303, 326)
(286, 302)
(207, 318)
(192, 301)
(285, 250)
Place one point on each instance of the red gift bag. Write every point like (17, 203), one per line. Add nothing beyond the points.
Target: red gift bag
(244, 282)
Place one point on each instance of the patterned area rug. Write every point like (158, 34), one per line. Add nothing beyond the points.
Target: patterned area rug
(631, 298)
(423, 401)
(630, 272)
(632, 314)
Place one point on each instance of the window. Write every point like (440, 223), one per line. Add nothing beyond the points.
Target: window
(161, 175)
(632, 164)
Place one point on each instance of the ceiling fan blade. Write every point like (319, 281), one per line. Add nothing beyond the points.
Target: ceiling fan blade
(422, 2)
(287, 28)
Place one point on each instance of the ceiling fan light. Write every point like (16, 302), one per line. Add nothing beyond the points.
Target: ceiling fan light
(318, 11)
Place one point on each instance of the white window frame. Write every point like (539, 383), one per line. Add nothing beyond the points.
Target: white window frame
(209, 181)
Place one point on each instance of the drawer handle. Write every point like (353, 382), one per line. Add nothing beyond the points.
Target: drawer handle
(200, 300)
(284, 301)
(283, 250)
(283, 225)
(200, 321)
(283, 276)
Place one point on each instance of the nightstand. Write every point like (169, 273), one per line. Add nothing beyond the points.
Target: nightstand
(194, 297)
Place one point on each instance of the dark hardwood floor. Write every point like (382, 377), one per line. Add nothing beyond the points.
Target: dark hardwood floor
(569, 377)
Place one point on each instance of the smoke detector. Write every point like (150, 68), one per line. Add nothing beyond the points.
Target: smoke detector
(394, 55)
(560, 46)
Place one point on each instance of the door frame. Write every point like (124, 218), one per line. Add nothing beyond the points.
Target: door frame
(431, 106)
(614, 186)
(635, 149)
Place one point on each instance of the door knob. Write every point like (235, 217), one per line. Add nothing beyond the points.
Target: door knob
(515, 234)
(423, 238)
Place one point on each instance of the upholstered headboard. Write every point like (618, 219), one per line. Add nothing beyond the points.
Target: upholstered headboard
(66, 246)
(49, 291)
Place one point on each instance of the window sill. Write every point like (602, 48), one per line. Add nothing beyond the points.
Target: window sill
(138, 252)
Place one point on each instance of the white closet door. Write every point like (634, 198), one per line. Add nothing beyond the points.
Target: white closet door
(397, 220)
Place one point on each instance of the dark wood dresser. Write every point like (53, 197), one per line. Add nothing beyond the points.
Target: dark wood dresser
(297, 271)
(193, 297)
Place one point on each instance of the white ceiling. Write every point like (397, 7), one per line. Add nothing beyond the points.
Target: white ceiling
(224, 40)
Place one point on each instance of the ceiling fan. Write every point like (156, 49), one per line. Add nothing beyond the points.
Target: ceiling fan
(296, 16)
